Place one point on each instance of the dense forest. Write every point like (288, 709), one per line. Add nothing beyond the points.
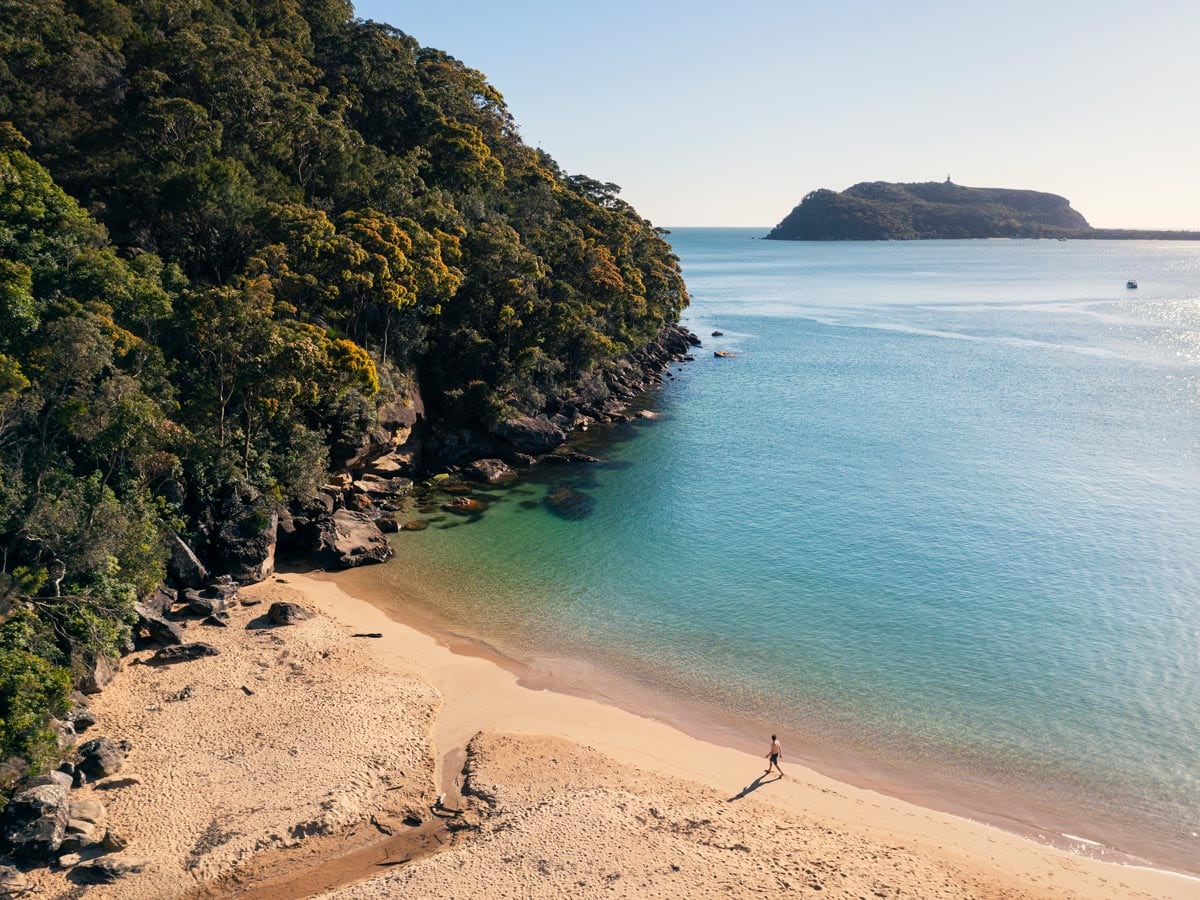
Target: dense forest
(230, 232)
(880, 211)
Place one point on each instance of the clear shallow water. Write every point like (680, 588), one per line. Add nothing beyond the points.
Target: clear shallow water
(938, 524)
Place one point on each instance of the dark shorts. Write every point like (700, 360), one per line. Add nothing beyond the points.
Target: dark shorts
(775, 758)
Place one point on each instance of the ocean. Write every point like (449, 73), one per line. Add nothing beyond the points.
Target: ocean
(937, 524)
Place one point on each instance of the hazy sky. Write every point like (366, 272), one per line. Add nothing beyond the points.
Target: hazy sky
(727, 113)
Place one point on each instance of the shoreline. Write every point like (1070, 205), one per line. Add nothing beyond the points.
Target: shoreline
(483, 692)
(594, 681)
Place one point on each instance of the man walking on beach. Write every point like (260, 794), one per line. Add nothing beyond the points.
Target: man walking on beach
(773, 755)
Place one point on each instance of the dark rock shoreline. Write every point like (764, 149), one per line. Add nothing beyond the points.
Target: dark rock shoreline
(344, 525)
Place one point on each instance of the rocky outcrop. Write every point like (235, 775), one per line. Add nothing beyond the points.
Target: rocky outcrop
(243, 545)
(391, 465)
(347, 539)
(530, 434)
(203, 603)
(395, 422)
(381, 486)
(35, 821)
(184, 569)
(451, 445)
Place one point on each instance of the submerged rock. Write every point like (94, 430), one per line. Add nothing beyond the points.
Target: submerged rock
(415, 525)
(464, 506)
(569, 503)
(569, 456)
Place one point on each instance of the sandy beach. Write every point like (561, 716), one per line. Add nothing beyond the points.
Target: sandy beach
(294, 759)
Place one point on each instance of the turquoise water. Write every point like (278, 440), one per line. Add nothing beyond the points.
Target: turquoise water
(938, 524)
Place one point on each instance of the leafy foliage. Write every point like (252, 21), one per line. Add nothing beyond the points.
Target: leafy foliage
(226, 229)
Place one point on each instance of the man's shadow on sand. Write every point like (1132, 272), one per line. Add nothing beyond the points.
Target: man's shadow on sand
(754, 786)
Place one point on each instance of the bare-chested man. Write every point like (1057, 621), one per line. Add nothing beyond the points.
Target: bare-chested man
(773, 755)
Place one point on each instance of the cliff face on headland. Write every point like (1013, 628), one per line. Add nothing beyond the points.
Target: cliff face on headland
(884, 211)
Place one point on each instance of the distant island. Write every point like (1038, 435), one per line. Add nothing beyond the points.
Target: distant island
(886, 211)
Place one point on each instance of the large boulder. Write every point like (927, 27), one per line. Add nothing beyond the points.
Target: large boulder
(284, 613)
(203, 603)
(35, 821)
(530, 434)
(184, 569)
(156, 628)
(81, 716)
(160, 600)
(347, 539)
(86, 826)
(298, 524)
(242, 533)
(390, 465)
(100, 758)
(98, 671)
(489, 471)
(381, 486)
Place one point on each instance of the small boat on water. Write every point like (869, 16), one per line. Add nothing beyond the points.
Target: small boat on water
(724, 354)
(1131, 284)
